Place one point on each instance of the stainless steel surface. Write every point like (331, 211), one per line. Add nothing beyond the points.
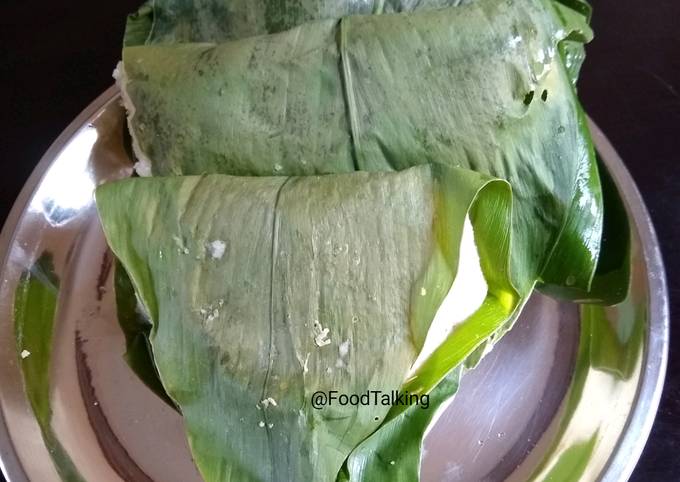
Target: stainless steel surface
(655, 348)
(565, 392)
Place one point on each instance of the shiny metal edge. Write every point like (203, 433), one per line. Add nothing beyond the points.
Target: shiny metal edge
(9, 460)
(629, 449)
(655, 359)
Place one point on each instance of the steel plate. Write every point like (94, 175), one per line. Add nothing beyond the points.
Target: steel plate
(544, 405)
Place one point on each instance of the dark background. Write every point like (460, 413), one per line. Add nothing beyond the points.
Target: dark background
(57, 56)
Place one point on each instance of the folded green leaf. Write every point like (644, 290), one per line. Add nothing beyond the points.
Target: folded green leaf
(267, 266)
(611, 279)
(181, 21)
(335, 97)
(394, 451)
(253, 98)
(571, 266)
(136, 328)
(185, 21)
(575, 16)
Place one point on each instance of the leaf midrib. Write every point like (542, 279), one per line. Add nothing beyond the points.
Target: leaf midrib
(274, 251)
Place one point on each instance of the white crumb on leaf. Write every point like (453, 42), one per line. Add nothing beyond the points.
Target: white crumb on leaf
(343, 349)
(261, 424)
(25, 354)
(268, 401)
(321, 335)
(217, 248)
(305, 366)
(211, 312)
(181, 248)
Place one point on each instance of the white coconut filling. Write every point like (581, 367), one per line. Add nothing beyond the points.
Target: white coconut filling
(143, 164)
(466, 295)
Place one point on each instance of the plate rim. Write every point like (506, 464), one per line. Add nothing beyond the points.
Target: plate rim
(10, 464)
(628, 450)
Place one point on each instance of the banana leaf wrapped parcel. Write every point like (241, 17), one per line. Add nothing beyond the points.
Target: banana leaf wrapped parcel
(352, 196)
